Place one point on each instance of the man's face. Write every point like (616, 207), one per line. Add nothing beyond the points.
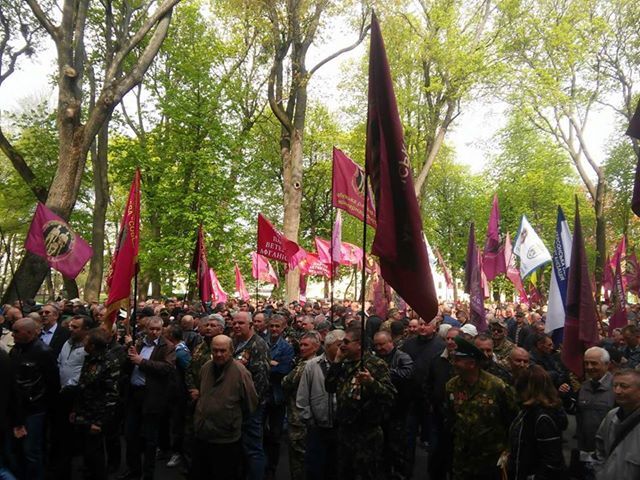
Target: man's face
(518, 360)
(22, 335)
(76, 330)
(451, 344)
(497, 333)
(276, 327)
(630, 339)
(258, 322)
(215, 328)
(241, 326)
(307, 325)
(350, 348)
(520, 319)
(508, 313)
(546, 345)
(308, 348)
(426, 329)
(486, 347)
(220, 351)
(413, 327)
(594, 367)
(627, 391)
(383, 345)
(332, 350)
(464, 365)
(325, 309)
(49, 316)
(154, 330)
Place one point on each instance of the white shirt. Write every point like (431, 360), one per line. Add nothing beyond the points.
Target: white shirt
(70, 363)
(47, 335)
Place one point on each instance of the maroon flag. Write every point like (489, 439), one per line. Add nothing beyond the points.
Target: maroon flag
(273, 244)
(200, 265)
(398, 241)
(51, 238)
(473, 282)
(618, 299)
(581, 320)
(619, 256)
(607, 278)
(632, 272)
(240, 286)
(493, 263)
(348, 188)
(513, 272)
(124, 262)
(445, 271)
(634, 132)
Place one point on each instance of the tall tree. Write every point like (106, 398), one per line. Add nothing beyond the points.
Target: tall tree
(78, 126)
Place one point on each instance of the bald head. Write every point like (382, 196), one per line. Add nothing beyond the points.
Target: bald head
(518, 359)
(221, 350)
(25, 330)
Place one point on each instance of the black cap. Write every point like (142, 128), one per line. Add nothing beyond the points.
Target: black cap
(467, 349)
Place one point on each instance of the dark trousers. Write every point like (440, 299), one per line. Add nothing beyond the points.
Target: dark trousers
(274, 422)
(216, 461)
(321, 454)
(141, 435)
(112, 432)
(395, 448)
(95, 463)
(63, 434)
(252, 443)
(178, 420)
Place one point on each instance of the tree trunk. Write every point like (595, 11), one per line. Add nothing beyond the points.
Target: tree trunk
(93, 285)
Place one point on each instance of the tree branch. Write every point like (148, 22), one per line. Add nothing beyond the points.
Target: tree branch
(363, 34)
(18, 162)
(46, 23)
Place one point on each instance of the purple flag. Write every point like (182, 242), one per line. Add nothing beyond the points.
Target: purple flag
(399, 244)
(493, 262)
(634, 131)
(51, 238)
(581, 320)
(473, 282)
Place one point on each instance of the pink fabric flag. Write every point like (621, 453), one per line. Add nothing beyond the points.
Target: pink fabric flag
(348, 188)
(513, 272)
(445, 270)
(323, 248)
(219, 295)
(262, 269)
(351, 254)
(336, 240)
(51, 238)
(493, 262)
(240, 286)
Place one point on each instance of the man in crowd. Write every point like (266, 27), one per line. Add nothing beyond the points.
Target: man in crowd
(519, 330)
(227, 397)
(260, 325)
(480, 410)
(618, 438)
(209, 328)
(542, 354)
(253, 353)
(38, 383)
(364, 394)
(631, 336)
(152, 364)
(484, 343)
(190, 337)
(502, 346)
(53, 334)
(595, 400)
(395, 427)
(317, 410)
(518, 361)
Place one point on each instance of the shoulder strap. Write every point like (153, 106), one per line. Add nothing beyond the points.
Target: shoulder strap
(625, 429)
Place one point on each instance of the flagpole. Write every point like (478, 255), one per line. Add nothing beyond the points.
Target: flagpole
(13, 272)
(133, 322)
(331, 270)
(364, 262)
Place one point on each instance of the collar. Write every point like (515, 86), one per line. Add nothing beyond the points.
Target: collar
(51, 330)
(147, 343)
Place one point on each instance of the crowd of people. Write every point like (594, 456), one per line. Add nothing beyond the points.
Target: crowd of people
(217, 391)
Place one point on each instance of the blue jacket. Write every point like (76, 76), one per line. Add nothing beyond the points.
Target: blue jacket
(282, 353)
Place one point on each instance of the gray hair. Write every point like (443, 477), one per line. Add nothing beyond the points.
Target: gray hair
(333, 336)
(218, 318)
(248, 314)
(604, 355)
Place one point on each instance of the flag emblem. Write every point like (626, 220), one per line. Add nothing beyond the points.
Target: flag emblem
(358, 182)
(58, 239)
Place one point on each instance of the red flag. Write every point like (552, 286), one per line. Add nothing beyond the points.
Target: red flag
(124, 262)
(445, 271)
(607, 278)
(473, 282)
(200, 265)
(262, 269)
(581, 320)
(240, 286)
(348, 188)
(632, 272)
(273, 244)
(219, 295)
(51, 238)
(618, 299)
(634, 132)
(398, 242)
(311, 265)
(619, 256)
(513, 272)
(493, 263)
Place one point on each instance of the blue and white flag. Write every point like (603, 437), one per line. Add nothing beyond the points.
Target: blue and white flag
(530, 249)
(560, 274)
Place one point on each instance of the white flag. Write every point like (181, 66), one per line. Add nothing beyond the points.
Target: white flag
(530, 249)
(559, 275)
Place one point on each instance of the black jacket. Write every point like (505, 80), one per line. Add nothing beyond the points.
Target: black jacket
(11, 414)
(422, 351)
(60, 336)
(36, 370)
(401, 369)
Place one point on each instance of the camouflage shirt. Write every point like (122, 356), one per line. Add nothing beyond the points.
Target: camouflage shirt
(479, 416)
(503, 351)
(367, 404)
(290, 385)
(201, 355)
(254, 354)
(97, 390)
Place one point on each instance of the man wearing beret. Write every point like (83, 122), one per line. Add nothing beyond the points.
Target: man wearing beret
(480, 408)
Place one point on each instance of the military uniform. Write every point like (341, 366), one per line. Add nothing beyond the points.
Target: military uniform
(479, 416)
(297, 427)
(200, 356)
(503, 351)
(361, 411)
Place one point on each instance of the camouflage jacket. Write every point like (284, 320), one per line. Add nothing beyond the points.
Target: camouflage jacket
(200, 356)
(503, 351)
(97, 390)
(479, 416)
(254, 354)
(290, 385)
(361, 405)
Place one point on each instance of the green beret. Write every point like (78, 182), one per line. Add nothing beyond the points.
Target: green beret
(467, 349)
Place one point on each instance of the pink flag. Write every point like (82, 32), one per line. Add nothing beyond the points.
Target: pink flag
(348, 188)
(240, 286)
(219, 295)
(445, 271)
(493, 262)
(351, 254)
(51, 238)
(323, 248)
(311, 265)
(513, 272)
(262, 269)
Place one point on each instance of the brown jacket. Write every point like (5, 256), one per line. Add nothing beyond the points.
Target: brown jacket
(159, 373)
(223, 402)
